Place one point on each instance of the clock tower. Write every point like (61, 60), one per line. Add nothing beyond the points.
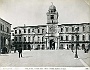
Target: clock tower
(52, 28)
(52, 20)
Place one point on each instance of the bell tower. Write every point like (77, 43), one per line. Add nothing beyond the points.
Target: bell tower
(52, 19)
(52, 15)
(52, 28)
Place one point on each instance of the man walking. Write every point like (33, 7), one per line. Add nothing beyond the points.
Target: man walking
(20, 51)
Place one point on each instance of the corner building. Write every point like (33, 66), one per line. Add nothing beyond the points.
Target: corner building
(52, 36)
(5, 35)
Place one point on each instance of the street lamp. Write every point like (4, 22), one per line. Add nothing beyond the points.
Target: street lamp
(76, 55)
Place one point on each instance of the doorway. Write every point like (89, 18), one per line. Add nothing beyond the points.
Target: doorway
(52, 44)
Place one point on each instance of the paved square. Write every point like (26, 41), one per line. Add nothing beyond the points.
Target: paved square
(42, 58)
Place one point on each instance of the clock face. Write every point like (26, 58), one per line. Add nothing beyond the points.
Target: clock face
(52, 29)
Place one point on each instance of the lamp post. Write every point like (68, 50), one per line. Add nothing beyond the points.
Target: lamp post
(76, 55)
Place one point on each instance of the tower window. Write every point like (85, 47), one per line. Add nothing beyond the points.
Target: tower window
(52, 16)
(24, 30)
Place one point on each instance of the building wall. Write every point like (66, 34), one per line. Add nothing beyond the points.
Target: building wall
(83, 32)
(34, 38)
(5, 34)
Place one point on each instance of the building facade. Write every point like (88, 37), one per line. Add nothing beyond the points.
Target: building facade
(5, 34)
(52, 36)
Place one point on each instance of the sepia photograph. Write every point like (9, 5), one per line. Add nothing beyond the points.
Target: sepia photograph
(44, 34)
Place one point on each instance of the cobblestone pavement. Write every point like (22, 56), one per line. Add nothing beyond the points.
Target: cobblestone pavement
(43, 58)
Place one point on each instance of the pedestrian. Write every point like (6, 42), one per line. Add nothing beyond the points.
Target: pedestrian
(20, 51)
(72, 47)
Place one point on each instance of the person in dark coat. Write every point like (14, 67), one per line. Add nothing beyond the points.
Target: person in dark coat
(20, 51)
(72, 46)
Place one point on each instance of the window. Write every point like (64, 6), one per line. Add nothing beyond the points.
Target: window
(19, 31)
(42, 30)
(32, 30)
(61, 29)
(15, 31)
(83, 28)
(66, 29)
(24, 30)
(78, 28)
(38, 31)
(33, 38)
(15, 38)
(72, 38)
(38, 39)
(19, 39)
(72, 29)
(12, 34)
(77, 37)
(61, 37)
(52, 16)
(28, 30)
(66, 38)
(28, 39)
(12, 39)
(1, 26)
(42, 39)
(7, 30)
(24, 39)
(83, 37)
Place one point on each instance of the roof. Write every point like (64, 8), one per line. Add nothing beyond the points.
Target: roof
(29, 26)
(4, 21)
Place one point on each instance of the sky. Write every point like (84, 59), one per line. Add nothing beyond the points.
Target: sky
(33, 12)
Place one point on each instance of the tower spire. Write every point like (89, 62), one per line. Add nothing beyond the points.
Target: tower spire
(52, 3)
